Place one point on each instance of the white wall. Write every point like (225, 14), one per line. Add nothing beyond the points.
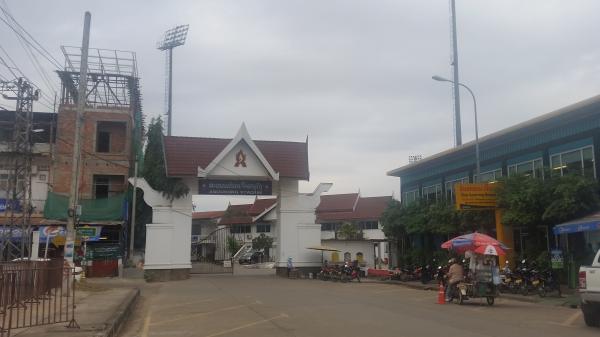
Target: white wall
(353, 247)
(296, 229)
(254, 168)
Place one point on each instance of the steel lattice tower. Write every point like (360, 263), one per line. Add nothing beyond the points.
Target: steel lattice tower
(19, 155)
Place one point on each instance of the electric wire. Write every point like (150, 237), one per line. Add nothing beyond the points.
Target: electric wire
(32, 57)
(44, 52)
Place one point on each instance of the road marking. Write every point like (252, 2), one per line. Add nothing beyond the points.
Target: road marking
(247, 325)
(146, 327)
(569, 321)
(197, 315)
(182, 304)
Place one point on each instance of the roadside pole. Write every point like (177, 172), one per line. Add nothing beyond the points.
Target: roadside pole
(75, 163)
(133, 205)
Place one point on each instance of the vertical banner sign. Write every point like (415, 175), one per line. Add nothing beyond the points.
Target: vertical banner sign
(69, 248)
(556, 257)
(474, 196)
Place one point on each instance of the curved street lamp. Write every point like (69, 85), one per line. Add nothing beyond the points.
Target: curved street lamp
(478, 169)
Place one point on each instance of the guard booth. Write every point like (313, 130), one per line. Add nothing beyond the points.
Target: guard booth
(237, 166)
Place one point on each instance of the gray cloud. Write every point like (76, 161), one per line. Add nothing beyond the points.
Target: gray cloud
(352, 75)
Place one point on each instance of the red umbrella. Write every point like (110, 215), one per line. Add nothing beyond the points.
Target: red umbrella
(490, 250)
(472, 241)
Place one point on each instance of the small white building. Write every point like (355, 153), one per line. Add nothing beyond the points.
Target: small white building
(244, 222)
(351, 223)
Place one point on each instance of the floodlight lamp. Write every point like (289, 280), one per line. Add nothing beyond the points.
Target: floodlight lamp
(173, 37)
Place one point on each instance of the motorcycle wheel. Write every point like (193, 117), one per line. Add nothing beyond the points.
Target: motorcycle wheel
(461, 297)
(525, 290)
(542, 291)
(490, 300)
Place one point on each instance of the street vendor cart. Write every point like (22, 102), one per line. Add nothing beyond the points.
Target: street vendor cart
(482, 276)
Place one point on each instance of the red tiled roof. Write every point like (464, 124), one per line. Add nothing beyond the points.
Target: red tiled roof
(369, 208)
(260, 205)
(236, 220)
(183, 155)
(207, 215)
(337, 203)
(243, 214)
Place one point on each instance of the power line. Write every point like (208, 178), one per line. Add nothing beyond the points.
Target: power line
(31, 55)
(45, 52)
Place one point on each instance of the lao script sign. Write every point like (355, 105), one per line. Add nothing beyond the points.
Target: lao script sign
(469, 196)
(234, 187)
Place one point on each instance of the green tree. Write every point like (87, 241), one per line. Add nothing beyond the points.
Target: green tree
(572, 196)
(349, 231)
(154, 164)
(264, 243)
(391, 221)
(523, 200)
(233, 245)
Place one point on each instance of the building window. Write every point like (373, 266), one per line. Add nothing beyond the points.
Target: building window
(450, 186)
(327, 227)
(108, 186)
(490, 176)
(347, 257)
(240, 229)
(110, 137)
(263, 228)
(368, 225)
(580, 161)
(359, 257)
(411, 196)
(534, 168)
(433, 192)
(103, 142)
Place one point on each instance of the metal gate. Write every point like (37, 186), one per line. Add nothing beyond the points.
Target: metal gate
(211, 254)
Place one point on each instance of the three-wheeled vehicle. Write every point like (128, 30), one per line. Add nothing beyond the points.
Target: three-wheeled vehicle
(482, 275)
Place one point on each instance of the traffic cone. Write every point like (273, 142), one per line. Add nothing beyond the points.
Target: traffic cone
(441, 295)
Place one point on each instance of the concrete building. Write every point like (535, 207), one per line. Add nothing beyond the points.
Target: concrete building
(565, 141)
(368, 245)
(43, 145)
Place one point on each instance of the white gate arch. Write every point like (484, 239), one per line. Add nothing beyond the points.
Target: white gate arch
(168, 237)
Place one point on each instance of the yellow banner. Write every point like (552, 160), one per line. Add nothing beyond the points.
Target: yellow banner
(475, 196)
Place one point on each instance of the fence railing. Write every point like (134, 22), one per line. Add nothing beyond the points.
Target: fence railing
(36, 293)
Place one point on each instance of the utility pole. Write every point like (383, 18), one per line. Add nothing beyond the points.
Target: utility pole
(81, 100)
(133, 210)
(457, 125)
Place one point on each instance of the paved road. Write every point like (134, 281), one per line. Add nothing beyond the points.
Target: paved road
(267, 306)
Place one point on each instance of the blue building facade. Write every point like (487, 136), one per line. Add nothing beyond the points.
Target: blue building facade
(561, 142)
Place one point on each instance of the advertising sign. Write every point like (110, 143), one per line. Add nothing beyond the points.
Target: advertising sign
(4, 203)
(475, 196)
(234, 187)
(556, 257)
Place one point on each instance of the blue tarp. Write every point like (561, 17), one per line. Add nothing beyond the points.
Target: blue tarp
(585, 224)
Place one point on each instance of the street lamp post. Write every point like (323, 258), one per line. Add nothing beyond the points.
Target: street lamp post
(477, 163)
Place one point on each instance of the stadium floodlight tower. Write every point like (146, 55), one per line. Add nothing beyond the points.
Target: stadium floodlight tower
(173, 37)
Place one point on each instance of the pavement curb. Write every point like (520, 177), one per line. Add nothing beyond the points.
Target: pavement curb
(115, 322)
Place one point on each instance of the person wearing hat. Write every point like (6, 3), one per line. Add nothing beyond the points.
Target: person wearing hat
(455, 274)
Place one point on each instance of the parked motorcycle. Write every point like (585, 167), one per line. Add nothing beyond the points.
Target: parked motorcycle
(548, 283)
(350, 272)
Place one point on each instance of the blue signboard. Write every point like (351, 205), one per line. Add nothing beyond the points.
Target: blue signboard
(577, 227)
(4, 203)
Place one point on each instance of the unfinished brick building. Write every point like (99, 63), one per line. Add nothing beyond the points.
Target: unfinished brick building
(111, 133)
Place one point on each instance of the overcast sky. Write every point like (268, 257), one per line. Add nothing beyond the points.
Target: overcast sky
(353, 76)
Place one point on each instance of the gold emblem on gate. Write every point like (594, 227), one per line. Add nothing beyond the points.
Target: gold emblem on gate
(240, 159)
